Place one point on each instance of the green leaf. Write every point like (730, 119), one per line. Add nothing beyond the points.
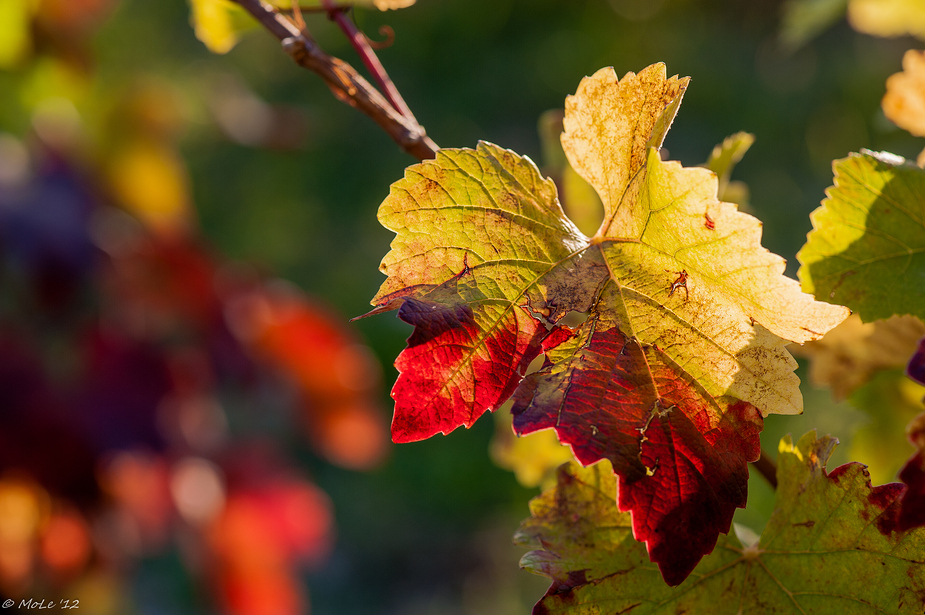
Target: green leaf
(803, 20)
(867, 246)
(828, 548)
(892, 401)
(723, 160)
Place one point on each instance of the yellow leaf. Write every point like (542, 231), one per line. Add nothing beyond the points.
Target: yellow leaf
(213, 23)
(15, 35)
(888, 17)
(851, 353)
(533, 458)
(904, 102)
(149, 180)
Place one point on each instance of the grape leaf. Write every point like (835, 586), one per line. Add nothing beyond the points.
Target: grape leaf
(682, 351)
(888, 17)
(867, 246)
(851, 353)
(823, 525)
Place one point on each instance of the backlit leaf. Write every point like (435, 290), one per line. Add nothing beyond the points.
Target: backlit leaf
(824, 524)
(682, 351)
(867, 246)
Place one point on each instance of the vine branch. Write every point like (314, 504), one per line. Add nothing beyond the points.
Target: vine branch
(368, 56)
(344, 81)
(767, 468)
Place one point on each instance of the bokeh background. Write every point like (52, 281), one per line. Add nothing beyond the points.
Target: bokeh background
(188, 422)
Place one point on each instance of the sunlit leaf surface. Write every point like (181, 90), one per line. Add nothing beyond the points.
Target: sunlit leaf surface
(681, 352)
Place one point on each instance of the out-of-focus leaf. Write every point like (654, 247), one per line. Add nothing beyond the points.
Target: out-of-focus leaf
(682, 352)
(15, 35)
(334, 372)
(867, 246)
(533, 458)
(150, 181)
(579, 200)
(722, 161)
(851, 353)
(219, 23)
(891, 400)
(259, 536)
(888, 17)
(824, 524)
(904, 101)
(803, 20)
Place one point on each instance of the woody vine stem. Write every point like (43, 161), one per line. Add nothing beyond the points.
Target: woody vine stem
(344, 80)
(387, 108)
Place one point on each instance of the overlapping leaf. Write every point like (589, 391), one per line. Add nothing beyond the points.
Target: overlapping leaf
(682, 351)
(867, 246)
(823, 525)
